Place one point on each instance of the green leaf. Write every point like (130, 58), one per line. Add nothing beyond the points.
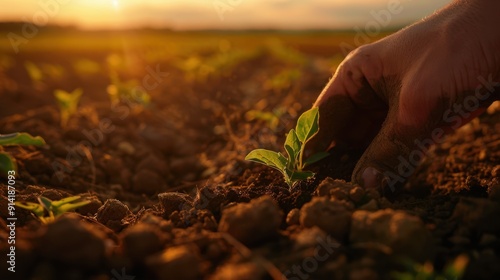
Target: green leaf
(34, 71)
(58, 203)
(86, 67)
(46, 220)
(456, 269)
(20, 138)
(269, 158)
(7, 163)
(301, 175)
(307, 125)
(68, 103)
(315, 158)
(128, 92)
(271, 118)
(45, 203)
(292, 147)
(33, 207)
(69, 206)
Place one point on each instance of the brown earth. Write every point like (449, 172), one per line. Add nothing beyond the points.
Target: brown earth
(172, 197)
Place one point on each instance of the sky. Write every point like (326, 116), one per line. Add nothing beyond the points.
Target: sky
(219, 14)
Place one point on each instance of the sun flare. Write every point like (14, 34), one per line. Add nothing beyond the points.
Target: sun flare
(116, 4)
(189, 14)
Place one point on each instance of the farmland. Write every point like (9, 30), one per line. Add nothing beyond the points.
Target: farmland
(156, 145)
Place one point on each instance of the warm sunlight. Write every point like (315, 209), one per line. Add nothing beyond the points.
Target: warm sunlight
(249, 139)
(221, 14)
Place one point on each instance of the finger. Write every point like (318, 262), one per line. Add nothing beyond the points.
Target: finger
(334, 110)
(390, 159)
(344, 122)
(351, 112)
(418, 119)
(414, 123)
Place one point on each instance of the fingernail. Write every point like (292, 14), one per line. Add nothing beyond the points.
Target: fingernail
(372, 178)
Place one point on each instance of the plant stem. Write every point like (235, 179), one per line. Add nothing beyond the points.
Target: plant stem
(301, 155)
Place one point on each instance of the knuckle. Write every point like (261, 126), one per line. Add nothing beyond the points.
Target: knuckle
(361, 53)
(365, 61)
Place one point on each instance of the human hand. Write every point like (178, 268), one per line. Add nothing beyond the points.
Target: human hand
(400, 95)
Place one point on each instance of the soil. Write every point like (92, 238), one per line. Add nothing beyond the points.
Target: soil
(172, 198)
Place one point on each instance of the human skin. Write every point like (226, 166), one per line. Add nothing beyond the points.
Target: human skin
(430, 77)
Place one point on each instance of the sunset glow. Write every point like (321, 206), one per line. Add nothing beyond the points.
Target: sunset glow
(223, 14)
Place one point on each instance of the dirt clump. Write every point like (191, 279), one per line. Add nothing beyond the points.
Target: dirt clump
(252, 222)
(332, 216)
(112, 213)
(58, 240)
(142, 240)
(178, 262)
(402, 233)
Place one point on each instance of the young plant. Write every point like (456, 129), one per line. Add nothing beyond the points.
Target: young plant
(282, 80)
(47, 210)
(7, 162)
(68, 103)
(86, 67)
(292, 167)
(452, 271)
(36, 75)
(130, 92)
(271, 118)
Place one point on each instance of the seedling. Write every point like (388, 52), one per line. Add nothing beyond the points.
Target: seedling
(47, 210)
(292, 167)
(36, 75)
(286, 54)
(129, 92)
(7, 162)
(54, 71)
(282, 80)
(198, 68)
(68, 103)
(85, 67)
(452, 271)
(271, 118)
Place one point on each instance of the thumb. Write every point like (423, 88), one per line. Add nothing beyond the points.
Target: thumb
(394, 154)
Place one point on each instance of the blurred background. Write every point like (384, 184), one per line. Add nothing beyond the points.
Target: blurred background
(190, 78)
(230, 48)
(217, 14)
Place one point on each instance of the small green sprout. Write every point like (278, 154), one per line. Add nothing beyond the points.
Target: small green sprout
(36, 75)
(286, 54)
(54, 71)
(7, 162)
(129, 92)
(452, 271)
(68, 103)
(282, 80)
(292, 167)
(271, 118)
(86, 67)
(47, 210)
